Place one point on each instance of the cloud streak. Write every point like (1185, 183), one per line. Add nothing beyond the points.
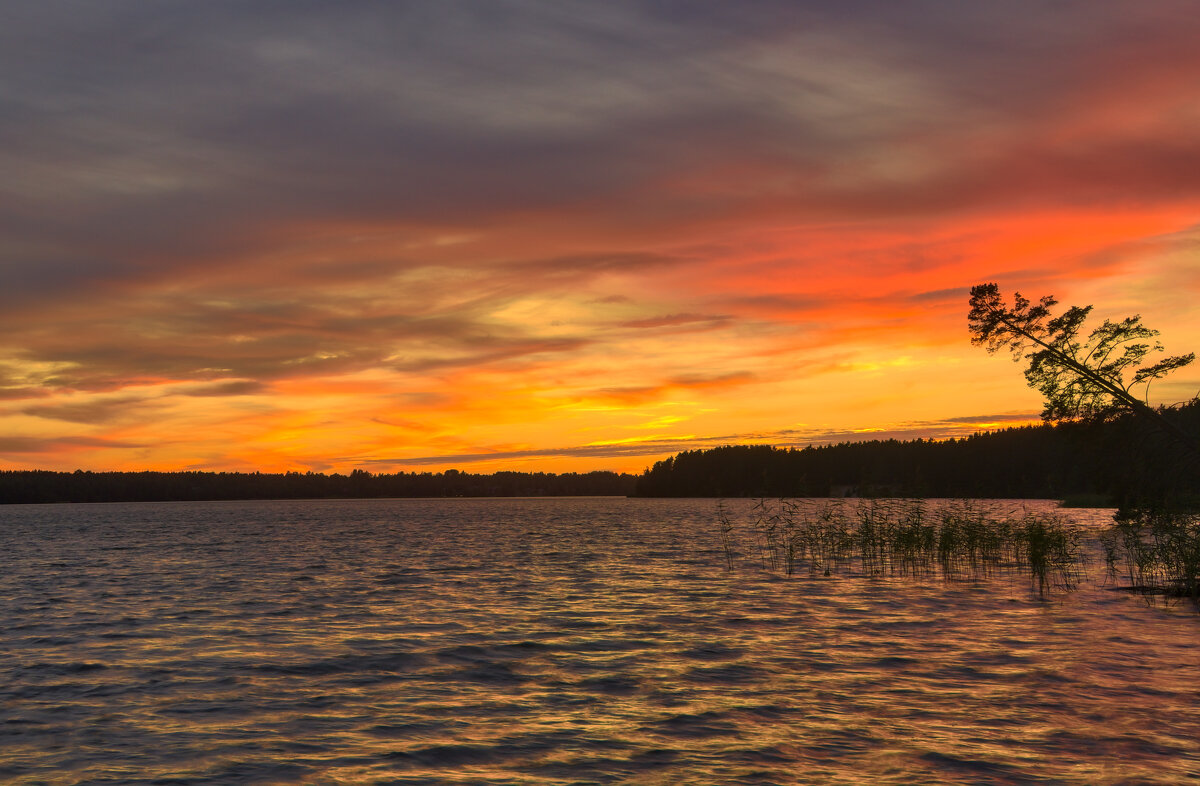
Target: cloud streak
(647, 449)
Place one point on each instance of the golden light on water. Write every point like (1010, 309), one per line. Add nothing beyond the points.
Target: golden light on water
(549, 640)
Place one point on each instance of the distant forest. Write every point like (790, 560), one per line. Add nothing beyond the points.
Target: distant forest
(1116, 462)
(39, 486)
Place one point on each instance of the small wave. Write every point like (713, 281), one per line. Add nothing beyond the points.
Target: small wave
(210, 708)
(655, 758)
(257, 772)
(392, 662)
(486, 673)
(611, 684)
(60, 669)
(892, 662)
(448, 755)
(613, 645)
(769, 755)
(946, 761)
(734, 673)
(697, 726)
(401, 730)
(713, 651)
(474, 653)
(406, 577)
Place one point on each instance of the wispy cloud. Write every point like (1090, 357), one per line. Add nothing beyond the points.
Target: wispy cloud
(57, 445)
(783, 438)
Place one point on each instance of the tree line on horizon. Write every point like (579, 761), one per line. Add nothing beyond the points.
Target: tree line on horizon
(40, 486)
(1112, 462)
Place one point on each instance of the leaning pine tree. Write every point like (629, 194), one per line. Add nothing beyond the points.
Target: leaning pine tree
(1092, 378)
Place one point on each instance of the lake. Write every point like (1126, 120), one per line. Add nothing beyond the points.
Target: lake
(554, 641)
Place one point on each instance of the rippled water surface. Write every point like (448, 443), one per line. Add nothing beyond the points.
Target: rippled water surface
(551, 641)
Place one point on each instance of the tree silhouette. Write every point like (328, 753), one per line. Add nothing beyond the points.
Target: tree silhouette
(1090, 378)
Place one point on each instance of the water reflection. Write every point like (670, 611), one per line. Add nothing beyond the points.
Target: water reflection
(552, 641)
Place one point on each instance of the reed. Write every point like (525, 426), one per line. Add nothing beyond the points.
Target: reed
(727, 527)
(1051, 552)
(1157, 551)
(904, 538)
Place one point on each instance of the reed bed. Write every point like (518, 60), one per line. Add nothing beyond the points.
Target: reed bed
(1158, 552)
(905, 538)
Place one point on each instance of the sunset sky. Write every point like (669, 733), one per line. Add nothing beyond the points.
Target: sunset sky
(565, 236)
